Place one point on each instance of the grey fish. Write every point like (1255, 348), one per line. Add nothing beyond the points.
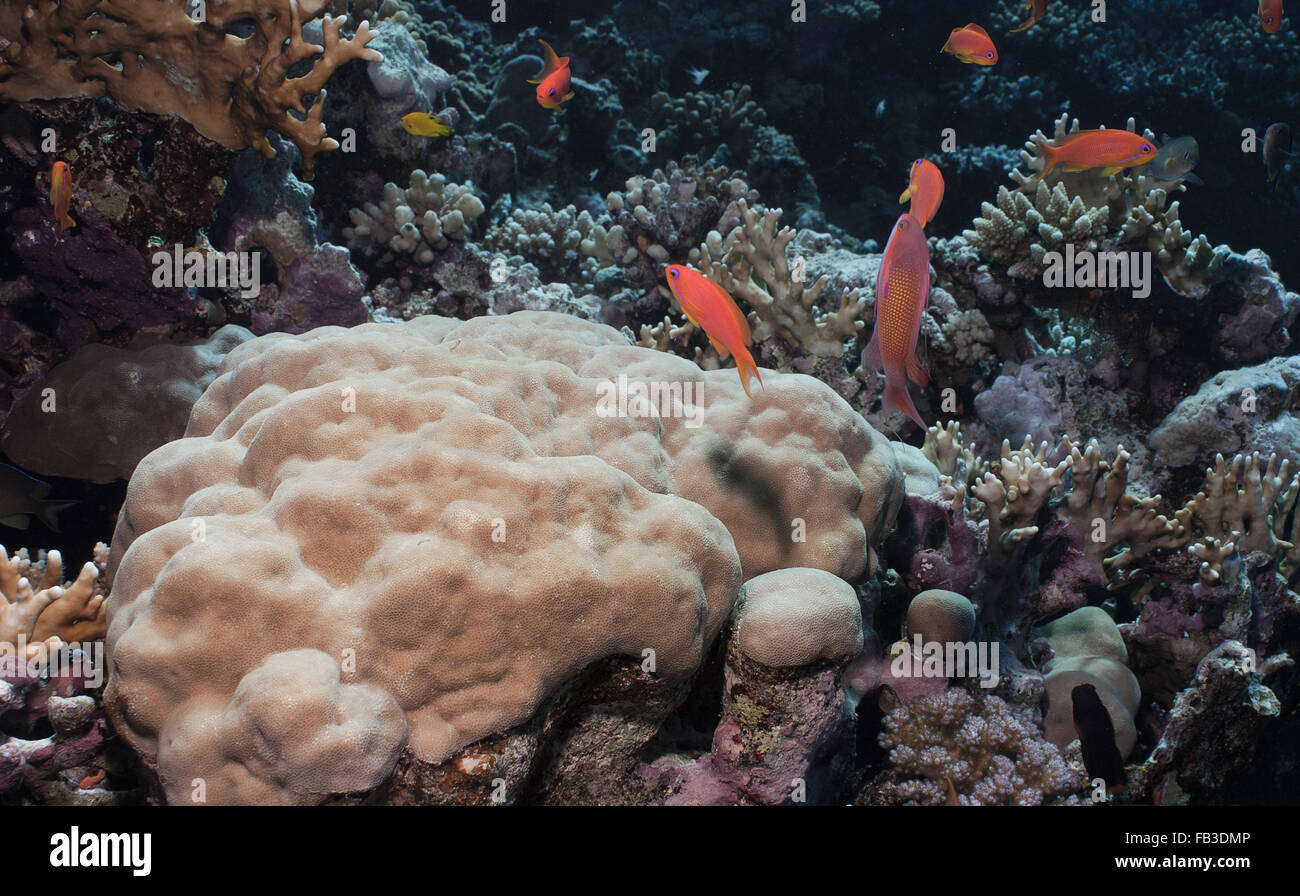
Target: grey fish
(1174, 161)
(1277, 145)
(23, 497)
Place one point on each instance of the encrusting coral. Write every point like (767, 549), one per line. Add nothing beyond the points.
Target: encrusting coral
(654, 523)
(228, 75)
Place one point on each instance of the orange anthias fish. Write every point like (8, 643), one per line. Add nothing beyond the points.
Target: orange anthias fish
(90, 781)
(61, 193)
(1109, 150)
(1270, 15)
(713, 310)
(925, 189)
(972, 45)
(902, 289)
(553, 80)
(1038, 7)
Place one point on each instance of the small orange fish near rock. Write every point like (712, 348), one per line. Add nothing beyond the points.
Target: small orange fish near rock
(1270, 15)
(713, 310)
(1037, 9)
(1110, 150)
(971, 45)
(91, 781)
(61, 194)
(553, 80)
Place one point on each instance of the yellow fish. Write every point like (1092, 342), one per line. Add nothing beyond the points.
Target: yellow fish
(422, 124)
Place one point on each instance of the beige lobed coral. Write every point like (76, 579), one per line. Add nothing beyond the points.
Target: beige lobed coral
(152, 56)
(797, 617)
(132, 400)
(416, 222)
(37, 607)
(438, 511)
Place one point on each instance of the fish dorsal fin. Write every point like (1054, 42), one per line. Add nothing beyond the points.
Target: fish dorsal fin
(977, 29)
(550, 63)
(1078, 135)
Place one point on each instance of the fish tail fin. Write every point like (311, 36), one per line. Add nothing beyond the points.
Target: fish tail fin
(1047, 152)
(746, 367)
(896, 398)
(49, 513)
(871, 356)
(915, 372)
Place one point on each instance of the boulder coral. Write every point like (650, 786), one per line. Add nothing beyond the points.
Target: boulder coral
(450, 515)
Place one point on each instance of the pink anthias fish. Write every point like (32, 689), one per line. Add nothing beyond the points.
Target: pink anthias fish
(902, 290)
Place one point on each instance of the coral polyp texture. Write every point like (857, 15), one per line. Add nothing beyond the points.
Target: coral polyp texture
(604, 534)
(150, 55)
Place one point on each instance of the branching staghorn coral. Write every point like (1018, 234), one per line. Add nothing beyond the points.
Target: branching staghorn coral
(1015, 493)
(151, 56)
(753, 266)
(1108, 516)
(1240, 508)
(667, 214)
(37, 607)
(943, 447)
(1094, 213)
(565, 244)
(993, 754)
(418, 221)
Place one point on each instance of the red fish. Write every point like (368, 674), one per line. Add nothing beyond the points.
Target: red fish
(61, 193)
(972, 45)
(553, 80)
(713, 310)
(902, 289)
(1037, 7)
(90, 781)
(1109, 150)
(925, 189)
(1270, 15)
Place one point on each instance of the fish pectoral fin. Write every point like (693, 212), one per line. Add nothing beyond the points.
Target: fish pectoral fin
(567, 96)
(1113, 169)
(907, 194)
(915, 372)
(722, 350)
